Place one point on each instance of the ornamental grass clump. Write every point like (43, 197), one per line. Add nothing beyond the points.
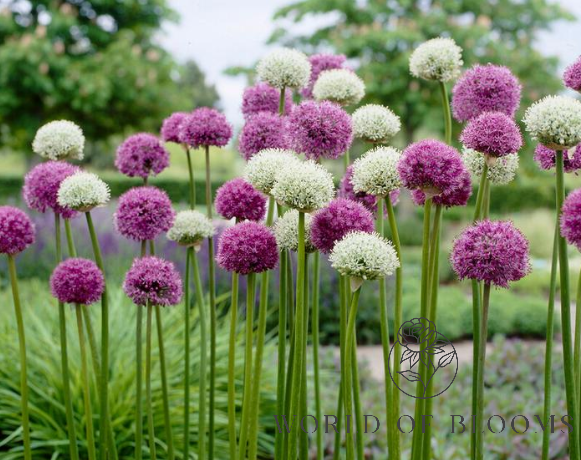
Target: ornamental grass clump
(142, 155)
(342, 86)
(375, 123)
(59, 140)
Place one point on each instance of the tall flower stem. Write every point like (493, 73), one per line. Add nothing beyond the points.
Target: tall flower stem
(398, 320)
(92, 454)
(549, 345)
(232, 367)
(315, 338)
(481, 359)
(343, 283)
(303, 435)
(104, 342)
(150, 426)
(64, 353)
(281, 101)
(358, 422)
(566, 313)
(192, 181)
(164, 386)
(249, 340)
(139, 384)
(22, 348)
(447, 113)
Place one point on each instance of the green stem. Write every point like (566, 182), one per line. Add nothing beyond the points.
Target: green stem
(92, 454)
(192, 183)
(481, 359)
(481, 190)
(232, 367)
(343, 283)
(70, 241)
(346, 160)
(303, 436)
(22, 348)
(357, 402)
(150, 425)
(566, 313)
(203, 359)
(164, 385)
(104, 342)
(187, 329)
(288, 385)
(139, 385)
(447, 114)
(315, 338)
(281, 101)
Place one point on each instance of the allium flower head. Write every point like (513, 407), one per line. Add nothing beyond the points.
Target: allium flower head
(190, 228)
(263, 131)
(572, 75)
(59, 140)
(320, 63)
(238, 199)
(144, 213)
(376, 172)
(364, 256)
(305, 186)
(485, 88)
(437, 59)
(369, 201)
(247, 247)
(546, 158)
(205, 127)
(555, 121)
(141, 155)
(284, 68)
(375, 123)
(17, 231)
(263, 167)
(501, 171)
(170, 129)
(77, 281)
(457, 195)
(431, 166)
(571, 219)
(320, 130)
(342, 86)
(491, 251)
(340, 217)
(492, 133)
(41, 186)
(83, 191)
(154, 280)
(286, 231)
(264, 98)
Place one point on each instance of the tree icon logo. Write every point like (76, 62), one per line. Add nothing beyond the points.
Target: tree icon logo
(429, 362)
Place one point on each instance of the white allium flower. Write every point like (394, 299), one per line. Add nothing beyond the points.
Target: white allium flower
(342, 86)
(59, 140)
(83, 191)
(190, 228)
(375, 123)
(501, 172)
(286, 231)
(262, 168)
(555, 121)
(305, 186)
(437, 59)
(285, 68)
(376, 172)
(364, 256)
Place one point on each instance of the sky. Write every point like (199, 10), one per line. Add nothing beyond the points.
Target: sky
(220, 33)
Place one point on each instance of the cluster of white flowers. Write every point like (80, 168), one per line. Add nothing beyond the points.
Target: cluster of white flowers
(59, 140)
(555, 121)
(342, 86)
(375, 123)
(190, 228)
(286, 231)
(376, 172)
(83, 191)
(285, 68)
(304, 185)
(364, 256)
(262, 168)
(501, 171)
(437, 59)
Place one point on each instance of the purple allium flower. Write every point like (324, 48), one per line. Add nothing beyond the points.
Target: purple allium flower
(571, 219)
(16, 230)
(453, 196)
(205, 127)
(492, 133)
(545, 158)
(485, 88)
(77, 281)
(320, 63)
(154, 280)
(238, 199)
(340, 217)
(491, 251)
(369, 201)
(170, 129)
(263, 131)
(572, 75)
(144, 213)
(141, 155)
(248, 247)
(320, 130)
(264, 98)
(430, 166)
(41, 186)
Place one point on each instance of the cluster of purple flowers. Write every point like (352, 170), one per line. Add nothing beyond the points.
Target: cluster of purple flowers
(238, 199)
(77, 281)
(17, 231)
(264, 130)
(545, 158)
(153, 280)
(264, 98)
(320, 63)
(141, 155)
